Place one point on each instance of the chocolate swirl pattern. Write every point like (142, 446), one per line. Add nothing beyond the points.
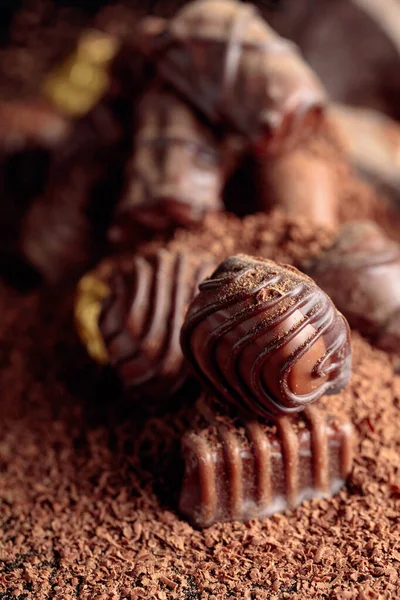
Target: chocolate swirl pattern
(264, 337)
(252, 470)
(140, 318)
(224, 58)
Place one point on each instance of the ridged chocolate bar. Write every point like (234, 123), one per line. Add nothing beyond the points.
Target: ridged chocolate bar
(244, 470)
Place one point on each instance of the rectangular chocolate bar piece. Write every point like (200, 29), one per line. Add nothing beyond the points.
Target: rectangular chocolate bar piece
(241, 470)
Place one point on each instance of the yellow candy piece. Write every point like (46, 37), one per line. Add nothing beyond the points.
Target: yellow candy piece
(79, 83)
(90, 294)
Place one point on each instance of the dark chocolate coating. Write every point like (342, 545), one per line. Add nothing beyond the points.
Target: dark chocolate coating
(224, 58)
(361, 273)
(176, 172)
(245, 469)
(141, 318)
(264, 337)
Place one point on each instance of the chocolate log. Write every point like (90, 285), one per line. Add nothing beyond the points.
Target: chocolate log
(129, 314)
(361, 272)
(372, 143)
(300, 182)
(242, 470)
(177, 171)
(263, 336)
(232, 66)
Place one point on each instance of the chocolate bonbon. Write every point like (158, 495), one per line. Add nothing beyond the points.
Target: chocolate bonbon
(129, 314)
(224, 58)
(263, 336)
(178, 168)
(241, 470)
(361, 273)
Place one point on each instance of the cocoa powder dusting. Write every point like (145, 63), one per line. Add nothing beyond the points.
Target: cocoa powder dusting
(88, 489)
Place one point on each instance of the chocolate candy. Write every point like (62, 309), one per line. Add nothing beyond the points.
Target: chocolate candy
(177, 171)
(129, 315)
(241, 470)
(264, 337)
(361, 272)
(229, 63)
(300, 182)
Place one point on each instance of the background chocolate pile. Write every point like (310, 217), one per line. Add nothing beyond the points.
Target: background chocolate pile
(281, 239)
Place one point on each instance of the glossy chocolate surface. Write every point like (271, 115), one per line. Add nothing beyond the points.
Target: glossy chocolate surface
(241, 470)
(263, 336)
(224, 58)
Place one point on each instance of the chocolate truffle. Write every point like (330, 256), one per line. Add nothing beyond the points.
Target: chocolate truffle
(361, 272)
(177, 171)
(246, 469)
(129, 314)
(224, 58)
(264, 337)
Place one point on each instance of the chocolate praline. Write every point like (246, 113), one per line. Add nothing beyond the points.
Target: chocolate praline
(265, 337)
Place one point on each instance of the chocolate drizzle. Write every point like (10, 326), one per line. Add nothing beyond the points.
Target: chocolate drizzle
(239, 471)
(141, 318)
(278, 314)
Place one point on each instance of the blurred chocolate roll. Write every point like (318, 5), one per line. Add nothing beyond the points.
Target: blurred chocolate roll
(300, 182)
(237, 470)
(361, 273)
(224, 58)
(266, 338)
(177, 171)
(371, 141)
(31, 123)
(129, 314)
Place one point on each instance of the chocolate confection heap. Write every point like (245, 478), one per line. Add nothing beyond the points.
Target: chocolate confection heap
(242, 470)
(177, 171)
(129, 314)
(361, 273)
(224, 58)
(264, 337)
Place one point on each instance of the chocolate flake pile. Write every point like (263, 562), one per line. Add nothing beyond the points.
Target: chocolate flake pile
(88, 493)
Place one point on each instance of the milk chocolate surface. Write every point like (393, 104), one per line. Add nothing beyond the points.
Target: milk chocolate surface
(263, 336)
(224, 58)
(177, 170)
(129, 315)
(361, 273)
(242, 470)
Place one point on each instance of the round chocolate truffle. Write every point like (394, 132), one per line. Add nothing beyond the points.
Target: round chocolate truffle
(129, 314)
(264, 337)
